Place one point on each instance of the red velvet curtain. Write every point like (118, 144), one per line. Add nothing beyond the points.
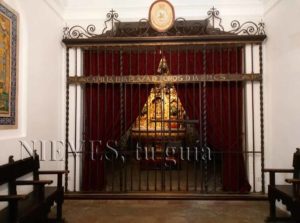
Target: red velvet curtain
(102, 106)
(224, 100)
(224, 107)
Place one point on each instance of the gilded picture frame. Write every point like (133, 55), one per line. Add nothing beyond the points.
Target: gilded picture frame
(8, 67)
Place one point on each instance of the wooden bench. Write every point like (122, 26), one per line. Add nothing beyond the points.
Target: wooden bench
(288, 194)
(35, 206)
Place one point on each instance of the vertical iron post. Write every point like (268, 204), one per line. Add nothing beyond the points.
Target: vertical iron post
(67, 116)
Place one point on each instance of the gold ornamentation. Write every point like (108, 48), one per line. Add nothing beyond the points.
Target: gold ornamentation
(158, 112)
(163, 110)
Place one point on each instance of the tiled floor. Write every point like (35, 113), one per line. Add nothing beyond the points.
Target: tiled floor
(165, 211)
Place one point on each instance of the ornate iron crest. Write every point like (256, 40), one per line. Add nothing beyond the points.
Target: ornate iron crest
(212, 25)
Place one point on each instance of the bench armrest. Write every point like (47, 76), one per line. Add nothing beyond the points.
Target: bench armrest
(33, 182)
(13, 197)
(59, 175)
(293, 181)
(273, 171)
(53, 172)
(279, 170)
(296, 185)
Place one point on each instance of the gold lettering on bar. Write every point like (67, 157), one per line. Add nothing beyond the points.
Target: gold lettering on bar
(158, 79)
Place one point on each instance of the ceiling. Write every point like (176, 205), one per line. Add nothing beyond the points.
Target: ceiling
(94, 9)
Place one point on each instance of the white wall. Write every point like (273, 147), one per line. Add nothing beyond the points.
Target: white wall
(135, 9)
(40, 80)
(85, 12)
(282, 80)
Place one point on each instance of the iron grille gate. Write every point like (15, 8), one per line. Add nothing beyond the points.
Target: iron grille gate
(178, 114)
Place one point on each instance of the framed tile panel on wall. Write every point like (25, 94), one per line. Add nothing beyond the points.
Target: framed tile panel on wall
(8, 67)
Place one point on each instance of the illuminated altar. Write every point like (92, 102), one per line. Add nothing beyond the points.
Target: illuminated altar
(162, 116)
(160, 123)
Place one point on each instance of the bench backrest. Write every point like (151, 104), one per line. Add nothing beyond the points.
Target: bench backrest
(296, 164)
(15, 169)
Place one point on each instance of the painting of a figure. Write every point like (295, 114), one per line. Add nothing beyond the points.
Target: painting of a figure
(8, 67)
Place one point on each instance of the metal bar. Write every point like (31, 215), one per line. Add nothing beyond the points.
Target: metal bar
(215, 171)
(184, 121)
(160, 79)
(245, 113)
(262, 136)
(165, 196)
(113, 175)
(229, 111)
(221, 113)
(237, 95)
(90, 123)
(204, 98)
(113, 113)
(139, 117)
(213, 114)
(194, 111)
(155, 125)
(127, 161)
(258, 152)
(158, 41)
(121, 113)
(170, 124)
(131, 118)
(75, 127)
(163, 145)
(83, 135)
(105, 109)
(156, 48)
(67, 117)
(201, 124)
(147, 123)
(177, 104)
(185, 99)
(253, 121)
(98, 153)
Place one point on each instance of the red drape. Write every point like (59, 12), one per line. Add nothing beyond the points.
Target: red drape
(224, 111)
(102, 106)
(223, 101)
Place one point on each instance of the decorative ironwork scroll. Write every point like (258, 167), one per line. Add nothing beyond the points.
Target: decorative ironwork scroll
(212, 25)
(112, 20)
(77, 32)
(248, 28)
(215, 20)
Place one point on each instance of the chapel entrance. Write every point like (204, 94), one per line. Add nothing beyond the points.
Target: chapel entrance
(165, 112)
(164, 136)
